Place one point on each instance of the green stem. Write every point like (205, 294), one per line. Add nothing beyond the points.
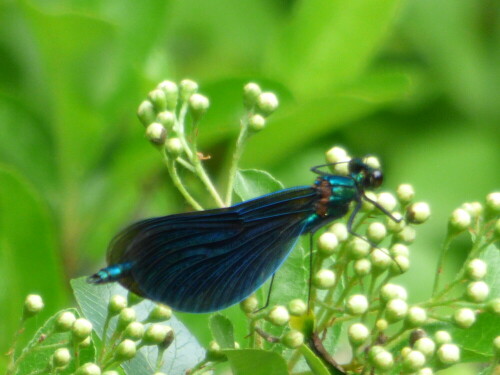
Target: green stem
(172, 170)
(294, 359)
(159, 359)
(240, 143)
(439, 267)
(185, 164)
(104, 338)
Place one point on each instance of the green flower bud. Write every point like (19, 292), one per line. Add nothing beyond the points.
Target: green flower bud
(133, 299)
(418, 213)
(358, 248)
(267, 103)
(81, 329)
(358, 333)
(393, 226)
(442, 337)
(477, 291)
(125, 350)
(407, 235)
(448, 354)
(493, 306)
(387, 201)
(376, 232)
(381, 324)
(256, 123)
(340, 231)
(362, 267)
(459, 221)
(278, 315)
(476, 269)
(357, 304)
(159, 100)
(292, 339)
(160, 313)
(399, 249)
(464, 318)
(214, 352)
(61, 358)
(327, 244)
(167, 119)
(337, 154)
(65, 321)
(396, 309)
(380, 259)
(146, 113)
(88, 369)
(392, 291)
(297, 307)
(127, 316)
(416, 317)
(171, 92)
(156, 133)
(405, 193)
(134, 331)
(251, 92)
(198, 105)
(372, 161)
(414, 360)
(475, 209)
(496, 345)
(425, 346)
(381, 358)
(493, 204)
(169, 339)
(249, 304)
(400, 265)
(116, 304)
(187, 88)
(174, 146)
(33, 304)
(425, 371)
(155, 334)
(85, 343)
(324, 279)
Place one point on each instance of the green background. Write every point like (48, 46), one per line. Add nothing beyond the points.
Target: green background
(412, 81)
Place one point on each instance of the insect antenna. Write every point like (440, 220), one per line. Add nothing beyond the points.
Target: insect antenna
(316, 168)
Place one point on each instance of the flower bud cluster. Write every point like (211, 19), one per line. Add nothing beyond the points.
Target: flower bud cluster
(259, 105)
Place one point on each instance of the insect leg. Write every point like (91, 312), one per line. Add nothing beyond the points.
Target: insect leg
(268, 295)
(310, 270)
(395, 219)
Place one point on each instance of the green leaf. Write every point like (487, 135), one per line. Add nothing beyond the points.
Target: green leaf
(492, 258)
(222, 331)
(252, 183)
(317, 366)
(256, 362)
(39, 350)
(183, 354)
(29, 261)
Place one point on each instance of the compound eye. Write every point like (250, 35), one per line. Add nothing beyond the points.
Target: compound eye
(376, 178)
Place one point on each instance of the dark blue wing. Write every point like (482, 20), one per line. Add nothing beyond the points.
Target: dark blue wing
(208, 260)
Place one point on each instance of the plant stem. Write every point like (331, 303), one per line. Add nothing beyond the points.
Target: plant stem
(172, 170)
(439, 267)
(240, 143)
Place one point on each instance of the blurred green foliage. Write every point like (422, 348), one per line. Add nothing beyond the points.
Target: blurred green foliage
(413, 81)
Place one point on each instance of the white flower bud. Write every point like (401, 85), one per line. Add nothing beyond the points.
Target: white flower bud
(376, 232)
(448, 354)
(400, 265)
(380, 259)
(405, 193)
(160, 313)
(324, 279)
(278, 315)
(362, 267)
(134, 331)
(81, 329)
(337, 154)
(372, 161)
(405, 351)
(249, 304)
(113, 372)
(399, 249)
(381, 324)
(167, 119)
(476, 269)
(358, 333)
(493, 202)
(381, 359)
(61, 358)
(88, 369)
(418, 213)
(473, 208)
(127, 315)
(297, 307)
(156, 133)
(407, 235)
(171, 91)
(357, 304)
(414, 360)
(387, 201)
(426, 346)
(442, 337)
(367, 205)
(493, 306)
(146, 113)
(125, 350)
(477, 291)
(173, 146)
(460, 220)
(155, 334)
(187, 88)
(394, 226)
(396, 309)
(416, 317)
(340, 231)
(256, 123)
(464, 318)
(293, 339)
(116, 304)
(267, 103)
(65, 321)
(33, 304)
(198, 104)
(392, 291)
(425, 371)
(251, 92)
(85, 343)
(358, 248)
(159, 100)
(327, 244)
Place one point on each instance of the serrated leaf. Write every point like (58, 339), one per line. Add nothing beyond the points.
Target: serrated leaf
(222, 331)
(39, 350)
(184, 353)
(256, 362)
(252, 183)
